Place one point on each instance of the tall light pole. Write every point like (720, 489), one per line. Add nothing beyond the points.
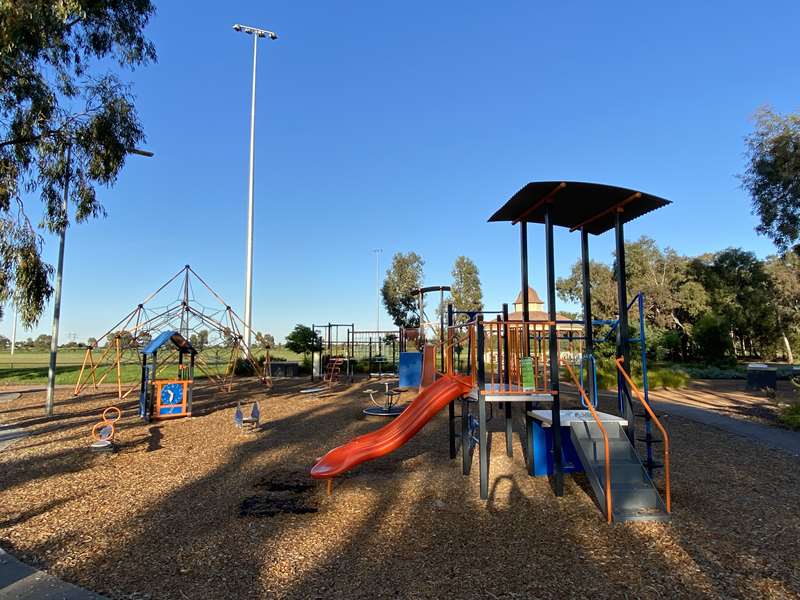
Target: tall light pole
(51, 372)
(377, 252)
(248, 281)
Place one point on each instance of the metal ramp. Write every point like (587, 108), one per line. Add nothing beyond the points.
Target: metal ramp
(633, 494)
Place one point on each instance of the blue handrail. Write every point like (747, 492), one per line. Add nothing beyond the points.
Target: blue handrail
(589, 358)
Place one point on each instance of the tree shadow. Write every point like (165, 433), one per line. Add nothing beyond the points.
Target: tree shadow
(410, 525)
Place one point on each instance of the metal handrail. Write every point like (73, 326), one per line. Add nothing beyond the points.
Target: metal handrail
(606, 448)
(664, 434)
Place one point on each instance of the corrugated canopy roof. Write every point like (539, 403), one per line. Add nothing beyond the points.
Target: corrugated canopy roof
(577, 203)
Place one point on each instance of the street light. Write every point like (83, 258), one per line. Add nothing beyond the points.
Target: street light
(248, 285)
(51, 372)
(377, 252)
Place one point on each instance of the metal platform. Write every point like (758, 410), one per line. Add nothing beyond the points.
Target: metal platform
(569, 416)
(502, 392)
(380, 411)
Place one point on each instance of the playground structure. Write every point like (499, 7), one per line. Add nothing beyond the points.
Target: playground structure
(375, 352)
(378, 351)
(185, 305)
(167, 398)
(104, 430)
(427, 329)
(520, 363)
(370, 351)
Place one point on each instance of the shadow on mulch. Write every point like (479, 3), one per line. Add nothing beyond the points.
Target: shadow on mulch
(154, 441)
(283, 493)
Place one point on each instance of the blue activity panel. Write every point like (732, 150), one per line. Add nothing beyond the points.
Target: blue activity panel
(171, 399)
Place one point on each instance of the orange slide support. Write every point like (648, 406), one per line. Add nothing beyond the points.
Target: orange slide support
(393, 435)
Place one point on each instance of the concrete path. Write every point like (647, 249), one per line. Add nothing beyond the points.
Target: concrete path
(712, 406)
(18, 581)
(774, 437)
(9, 435)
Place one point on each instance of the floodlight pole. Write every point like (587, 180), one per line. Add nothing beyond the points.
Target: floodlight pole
(248, 282)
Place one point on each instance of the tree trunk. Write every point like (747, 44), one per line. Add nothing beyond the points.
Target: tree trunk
(789, 355)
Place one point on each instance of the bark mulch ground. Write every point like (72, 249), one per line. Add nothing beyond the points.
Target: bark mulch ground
(195, 508)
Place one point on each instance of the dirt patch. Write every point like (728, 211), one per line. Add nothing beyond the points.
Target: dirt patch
(282, 493)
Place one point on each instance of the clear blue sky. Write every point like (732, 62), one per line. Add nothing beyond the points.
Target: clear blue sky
(404, 125)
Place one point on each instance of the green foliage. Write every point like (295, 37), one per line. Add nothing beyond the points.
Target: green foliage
(602, 286)
(671, 295)
(772, 176)
(402, 278)
(712, 336)
(466, 286)
(264, 340)
(741, 294)
(43, 341)
(303, 340)
(606, 375)
(199, 340)
(244, 368)
(784, 273)
(666, 344)
(712, 372)
(672, 379)
(790, 415)
(60, 123)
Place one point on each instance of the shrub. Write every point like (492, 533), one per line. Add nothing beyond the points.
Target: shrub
(244, 368)
(715, 373)
(712, 336)
(666, 345)
(673, 379)
(790, 416)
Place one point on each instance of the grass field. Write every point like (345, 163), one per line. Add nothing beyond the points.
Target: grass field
(31, 367)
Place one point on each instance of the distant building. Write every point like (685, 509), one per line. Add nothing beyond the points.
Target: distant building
(537, 312)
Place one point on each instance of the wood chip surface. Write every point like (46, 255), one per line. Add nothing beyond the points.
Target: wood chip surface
(163, 517)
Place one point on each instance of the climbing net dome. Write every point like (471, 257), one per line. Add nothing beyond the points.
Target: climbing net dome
(184, 304)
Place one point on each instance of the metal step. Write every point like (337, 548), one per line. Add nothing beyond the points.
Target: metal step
(651, 440)
(633, 494)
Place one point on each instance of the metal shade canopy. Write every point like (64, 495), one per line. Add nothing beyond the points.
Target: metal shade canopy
(577, 204)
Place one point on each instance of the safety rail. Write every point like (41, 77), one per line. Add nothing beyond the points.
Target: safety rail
(664, 434)
(451, 343)
(506, 343)
(606, 448)
(525, 339)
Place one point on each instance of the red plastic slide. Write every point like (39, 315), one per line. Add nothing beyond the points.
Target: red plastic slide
(393, 435)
